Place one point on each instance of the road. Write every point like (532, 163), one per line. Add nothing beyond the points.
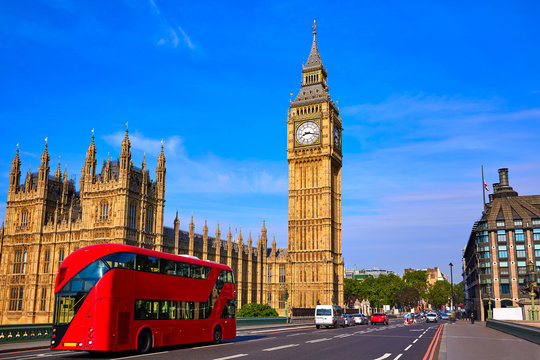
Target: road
(378, 342)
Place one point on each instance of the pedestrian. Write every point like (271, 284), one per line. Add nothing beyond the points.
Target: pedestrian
(472, 317)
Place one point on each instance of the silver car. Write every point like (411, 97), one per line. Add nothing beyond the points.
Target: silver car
(431, 317)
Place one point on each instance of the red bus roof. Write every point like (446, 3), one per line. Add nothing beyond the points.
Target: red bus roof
(79, 259)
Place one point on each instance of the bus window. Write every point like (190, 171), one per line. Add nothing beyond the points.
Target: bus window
(164, 307)
(229, 311)
(183, 269)
(196, 272)
(206, 272)
(168, 267)
(147, 263)
(230, 277)
(146, 310)
(121, 260)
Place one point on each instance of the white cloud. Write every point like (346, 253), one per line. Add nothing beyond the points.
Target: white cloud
(170, 27)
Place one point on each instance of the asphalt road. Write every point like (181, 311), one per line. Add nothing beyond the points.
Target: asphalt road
(377, 342)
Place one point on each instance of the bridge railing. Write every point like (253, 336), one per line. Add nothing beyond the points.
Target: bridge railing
(25, 332)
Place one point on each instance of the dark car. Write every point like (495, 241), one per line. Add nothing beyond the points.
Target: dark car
(379, 318)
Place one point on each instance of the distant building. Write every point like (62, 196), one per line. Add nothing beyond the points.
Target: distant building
(434, 275)
(501, 243)
(362, 274)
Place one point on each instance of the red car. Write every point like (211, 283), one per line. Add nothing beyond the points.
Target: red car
(379, 318)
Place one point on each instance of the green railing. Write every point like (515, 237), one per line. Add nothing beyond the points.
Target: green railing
(260, 321)
(25, 332)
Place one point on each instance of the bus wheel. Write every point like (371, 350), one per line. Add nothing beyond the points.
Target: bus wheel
(144, 341)
(217, 335)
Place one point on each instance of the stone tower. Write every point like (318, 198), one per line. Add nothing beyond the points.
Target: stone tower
(315, 158)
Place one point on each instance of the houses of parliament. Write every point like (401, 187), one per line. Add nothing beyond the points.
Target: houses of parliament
(47, 218)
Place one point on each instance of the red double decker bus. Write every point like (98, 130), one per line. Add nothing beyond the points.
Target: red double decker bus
(118, 297)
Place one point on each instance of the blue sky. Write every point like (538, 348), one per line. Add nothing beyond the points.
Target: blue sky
(428, 92)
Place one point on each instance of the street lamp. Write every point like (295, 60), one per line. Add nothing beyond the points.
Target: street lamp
(533, 314)
(490, 312)
(452, 287)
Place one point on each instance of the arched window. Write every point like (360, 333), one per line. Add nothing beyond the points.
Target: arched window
(104, 211)
(149, 220)
(132, 216)
(19, 261)
(25, 218)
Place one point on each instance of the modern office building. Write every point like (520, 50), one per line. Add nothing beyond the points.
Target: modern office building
(501, 244)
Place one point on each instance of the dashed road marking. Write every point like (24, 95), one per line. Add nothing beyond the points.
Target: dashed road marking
(231, 357)
(297, 334)
(281, 347)
(415, 340)
(397, 357)
(268, 338)
(383, 357)
(408, 347)
(317, 340)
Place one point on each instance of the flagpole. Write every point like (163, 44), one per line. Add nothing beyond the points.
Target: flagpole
(483, 188)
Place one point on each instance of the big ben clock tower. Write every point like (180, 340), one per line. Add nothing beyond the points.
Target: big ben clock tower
(315, 157)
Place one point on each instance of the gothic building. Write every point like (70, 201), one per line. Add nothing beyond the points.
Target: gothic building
(47, 219)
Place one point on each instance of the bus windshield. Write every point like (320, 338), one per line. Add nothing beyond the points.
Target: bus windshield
(70, 298)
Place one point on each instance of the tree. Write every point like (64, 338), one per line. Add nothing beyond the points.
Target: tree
(351, 287)
(417, 279)
(407, 297)
(256, 310)
(439, 294)
(458, 293)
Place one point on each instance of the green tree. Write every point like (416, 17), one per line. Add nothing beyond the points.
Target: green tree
(458, 293)
(256, 310)
(351, 287)
(417, 279)
(439, 294)
(407, 297)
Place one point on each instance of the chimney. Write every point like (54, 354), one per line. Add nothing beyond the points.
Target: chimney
(502, 188)
(503, 177)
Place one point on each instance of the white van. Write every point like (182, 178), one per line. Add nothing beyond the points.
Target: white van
(328, 315)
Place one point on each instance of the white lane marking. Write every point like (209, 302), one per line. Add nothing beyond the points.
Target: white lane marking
(343, 335)
(134, 356)
(281, 347)
(397, 357)
(416, 330)
(317, 340)
(408, 347)
(231, 357)
(278, 329)
(415, 340)
(421, 336)
(297, 334)
(268, 338)
(383, 357)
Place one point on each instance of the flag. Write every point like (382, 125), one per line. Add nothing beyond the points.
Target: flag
(486, 186)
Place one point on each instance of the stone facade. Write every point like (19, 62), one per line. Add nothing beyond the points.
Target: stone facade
(315, 158)
(47, 219)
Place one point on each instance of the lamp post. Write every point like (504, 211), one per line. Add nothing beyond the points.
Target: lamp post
(490, 312)
(533, 313)
(451, 287)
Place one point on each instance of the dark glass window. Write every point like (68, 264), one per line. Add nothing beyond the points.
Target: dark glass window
(147, 263)
(120, 260)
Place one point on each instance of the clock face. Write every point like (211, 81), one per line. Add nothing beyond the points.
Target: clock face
(337, 140)
(307, 133)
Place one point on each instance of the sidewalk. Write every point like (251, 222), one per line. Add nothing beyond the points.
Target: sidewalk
(463, 341)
